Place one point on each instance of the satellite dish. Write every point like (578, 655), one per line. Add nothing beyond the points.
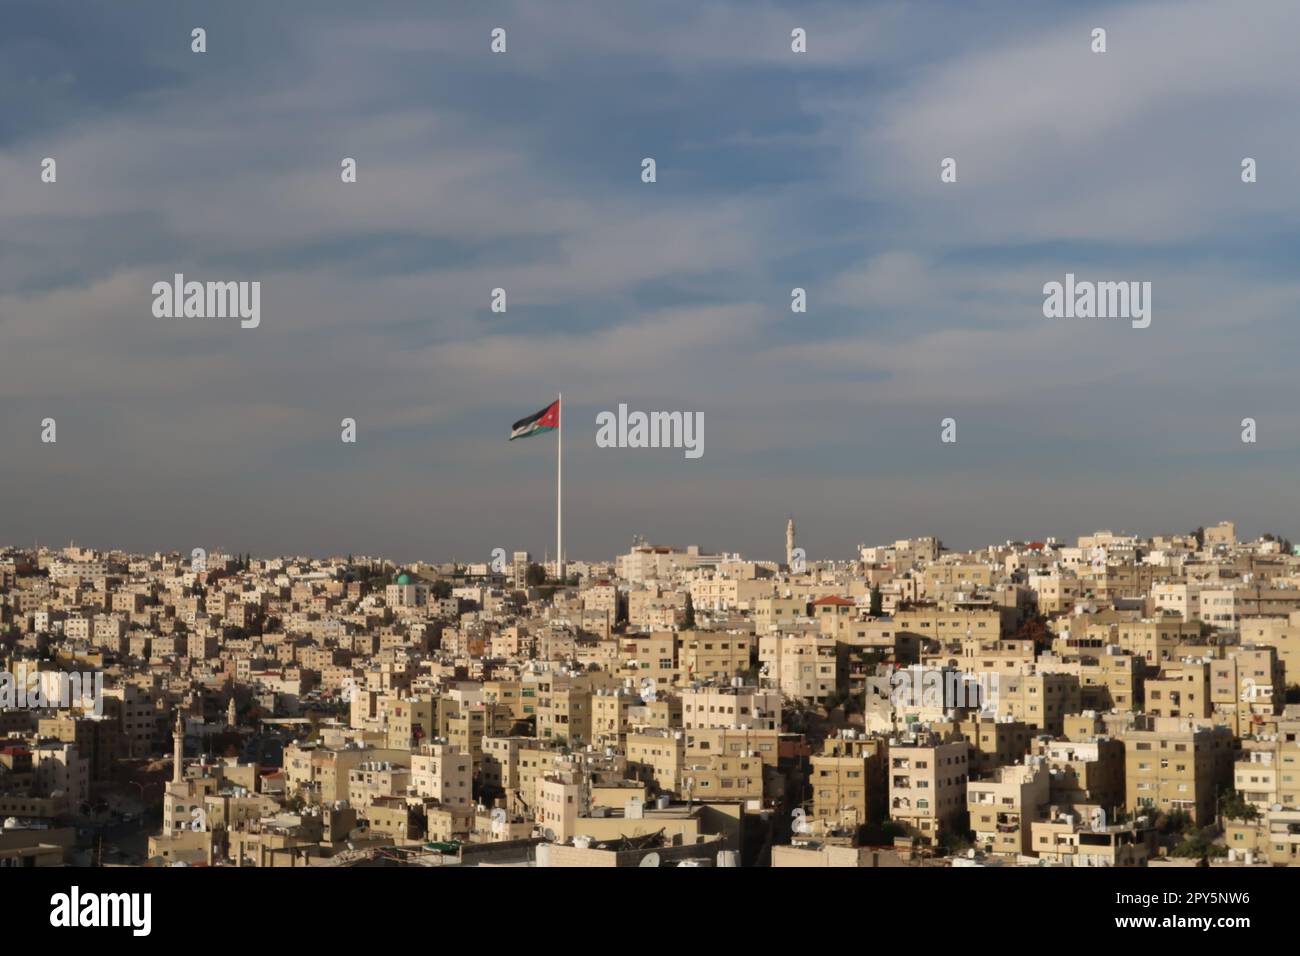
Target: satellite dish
(549, 835)
(650, 859)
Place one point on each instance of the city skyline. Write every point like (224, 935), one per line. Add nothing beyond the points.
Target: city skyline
(982, 562)
(635, 540)
(914, 707)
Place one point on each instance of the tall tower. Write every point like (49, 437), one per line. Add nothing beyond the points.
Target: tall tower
(232, 715)
(178, 748)
(789, 542)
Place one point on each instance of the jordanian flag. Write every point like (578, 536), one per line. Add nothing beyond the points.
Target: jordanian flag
(547, 420)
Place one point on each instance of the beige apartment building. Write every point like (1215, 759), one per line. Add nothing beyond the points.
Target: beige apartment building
(763, 744)
(833, 612)
(990, 657)
(601, 597)
(611, 713)
(374, 779)
(134, 713)
(927, 785)
(183, 803)
(443, 772)
(736, 708)
(1056, 593)
(1248, 688)
(994, 741)
(515, 765)
(411, 720)
(533, 764)
(656, 609)
(1111, 679)
(848, 780)
(1257, 777)
(899, 592)
(1228, 608)
(1177, 765)
(925, 695)
(467, 726)
(560, 801)
(1222, 535)
(1281, 633)
(234, 807)
(1041, 700)
(657, 757)
(664, 712)
(565, 715)
(330, 768)
(500, 766)
(714, 655)
(722, 777)
(1267, 770)
(945, 580)
(1077, 836)
(59, 766)
(505, 693)
(1218, 607)
(1155, 641)
(1274, 836)
(875, 634)
(777, 612)
(803, 665)
(650, 656)
(955, 626)
(1181, 689)
(724, 593)
(1181, 598)
(1085, 772)
(1119, 581)
(1004, 805)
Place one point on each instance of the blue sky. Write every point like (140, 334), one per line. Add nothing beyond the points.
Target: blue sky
(522, 170)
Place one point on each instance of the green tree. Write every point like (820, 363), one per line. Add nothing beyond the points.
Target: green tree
(689, 623)
(880, 834)
(535, 576)
(1233, 806)
(1198, 847)
(877, 602)
(956, 844)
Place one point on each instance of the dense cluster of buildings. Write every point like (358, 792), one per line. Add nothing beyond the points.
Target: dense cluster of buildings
(1122, 701)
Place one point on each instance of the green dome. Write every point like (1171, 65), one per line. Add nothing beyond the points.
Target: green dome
(403, 578)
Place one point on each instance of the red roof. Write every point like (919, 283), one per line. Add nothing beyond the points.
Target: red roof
(834, 599)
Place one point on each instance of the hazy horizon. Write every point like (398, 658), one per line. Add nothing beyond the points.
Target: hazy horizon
(522, 171)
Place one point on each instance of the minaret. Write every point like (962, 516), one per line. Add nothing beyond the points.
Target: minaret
(231, 715)
(178, 748)
(789, 543)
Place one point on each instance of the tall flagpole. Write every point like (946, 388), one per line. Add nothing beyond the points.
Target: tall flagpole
(559, 489)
